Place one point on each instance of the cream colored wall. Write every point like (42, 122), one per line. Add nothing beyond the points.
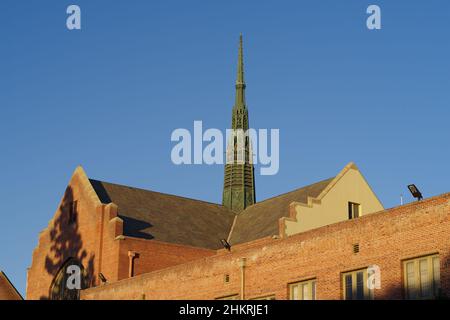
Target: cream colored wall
(350, 187)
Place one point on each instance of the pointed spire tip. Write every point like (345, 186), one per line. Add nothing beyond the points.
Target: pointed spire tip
(240, 83)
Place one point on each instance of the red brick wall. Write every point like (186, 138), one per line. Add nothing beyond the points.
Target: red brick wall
(96, 241)
(155, 255)
(7, 290)
(61, 240)
(385, 239)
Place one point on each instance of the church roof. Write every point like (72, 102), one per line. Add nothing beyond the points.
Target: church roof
(168, 218)
(174, 219)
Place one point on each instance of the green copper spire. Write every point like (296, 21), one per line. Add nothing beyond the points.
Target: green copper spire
(239, 181)
(240, 83)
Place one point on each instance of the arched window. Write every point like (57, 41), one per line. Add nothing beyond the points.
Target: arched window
(70, 279)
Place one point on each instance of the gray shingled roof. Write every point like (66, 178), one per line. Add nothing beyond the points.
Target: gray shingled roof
(163, 217)
(169, 218)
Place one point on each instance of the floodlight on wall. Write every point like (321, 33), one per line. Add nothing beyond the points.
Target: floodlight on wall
(415, 192)
(225, 244)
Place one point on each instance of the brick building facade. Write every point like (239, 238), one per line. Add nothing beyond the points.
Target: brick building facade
(386, 239)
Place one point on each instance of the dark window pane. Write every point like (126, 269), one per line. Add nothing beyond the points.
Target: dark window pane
(360, 286)
(348, 287)
(350, 211)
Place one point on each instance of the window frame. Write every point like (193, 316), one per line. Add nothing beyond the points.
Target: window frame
(312, 288)
(434, 281)
(351, 210)
(368, 294)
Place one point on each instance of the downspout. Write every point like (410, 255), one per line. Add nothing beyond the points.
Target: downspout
(100, 243)
(242, 265)
(131, 255)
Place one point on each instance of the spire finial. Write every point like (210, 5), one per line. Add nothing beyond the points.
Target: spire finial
(240, 82)
(240, 72)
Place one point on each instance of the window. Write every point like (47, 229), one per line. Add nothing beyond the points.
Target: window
(73, 212)
(355, 287)
(422, 277)
(305, 290)
(354, 210)
(59, 289)
(231, 297)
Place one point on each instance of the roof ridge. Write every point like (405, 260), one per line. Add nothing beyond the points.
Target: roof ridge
(162, 193)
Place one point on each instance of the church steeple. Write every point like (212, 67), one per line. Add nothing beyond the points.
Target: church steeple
(239, 181)
(240, 83)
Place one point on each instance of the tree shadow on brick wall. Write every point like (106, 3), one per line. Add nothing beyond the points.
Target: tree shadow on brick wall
(67, 244)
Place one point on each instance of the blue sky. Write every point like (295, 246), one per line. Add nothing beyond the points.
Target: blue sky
(107, 97)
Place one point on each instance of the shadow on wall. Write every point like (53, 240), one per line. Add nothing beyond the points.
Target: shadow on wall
(397, 291)
(66, 249)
